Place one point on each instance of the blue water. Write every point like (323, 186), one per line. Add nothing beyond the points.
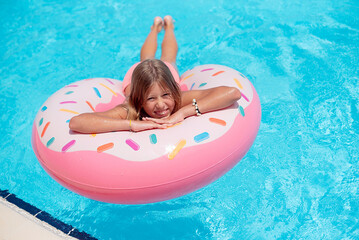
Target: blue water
(300, 179)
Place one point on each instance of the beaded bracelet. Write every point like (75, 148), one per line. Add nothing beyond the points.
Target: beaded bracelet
(194, 103)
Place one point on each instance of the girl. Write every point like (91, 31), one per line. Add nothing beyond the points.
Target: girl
(151, 87)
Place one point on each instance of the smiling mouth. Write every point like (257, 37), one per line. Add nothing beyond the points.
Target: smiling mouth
(163, 113)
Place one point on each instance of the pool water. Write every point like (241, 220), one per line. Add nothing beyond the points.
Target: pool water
(300, 178)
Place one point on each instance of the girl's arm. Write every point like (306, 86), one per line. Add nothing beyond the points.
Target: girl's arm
(207, 100)
(109, 121)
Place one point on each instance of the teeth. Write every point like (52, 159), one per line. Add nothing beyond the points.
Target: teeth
(161, 112)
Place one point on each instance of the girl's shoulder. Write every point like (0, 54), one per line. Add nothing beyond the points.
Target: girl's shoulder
(124, 106)
(120, 111)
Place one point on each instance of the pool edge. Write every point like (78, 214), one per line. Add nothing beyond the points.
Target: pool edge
(33, 219)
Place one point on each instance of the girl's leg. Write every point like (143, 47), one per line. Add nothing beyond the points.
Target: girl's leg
(169, 43)
(149, 47)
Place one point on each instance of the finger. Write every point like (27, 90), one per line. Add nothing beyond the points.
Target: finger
(156, 120)
(145, 119)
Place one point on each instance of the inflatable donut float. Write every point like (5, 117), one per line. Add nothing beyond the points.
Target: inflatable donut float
(150, 166)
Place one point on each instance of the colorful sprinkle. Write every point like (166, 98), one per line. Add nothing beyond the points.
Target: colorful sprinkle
(108, 80)
(45, 128)
(50, 142)
(218, 121)
(93, 135)
(241, 110)
(192, 86)
(153, 138)
(133, 144)
(244, 96)
(41, 121)
(88, 103)
(202, 84)
(201, 137)
(43, 108)
(68, 145)
(72, 85)
(174, 125)
(97, 92)
(69, 92)
(238, 83)
(67, 121)
(179, 146)
(187, 77)
(208, 69)
(243, 75)
(103, 85)
(67, 110)
(217, 73)
(66, 102)
(105, 147)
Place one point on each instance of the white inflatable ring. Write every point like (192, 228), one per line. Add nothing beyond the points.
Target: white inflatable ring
(149, 166)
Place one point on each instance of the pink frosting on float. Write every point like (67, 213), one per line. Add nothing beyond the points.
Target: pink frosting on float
(116, 100)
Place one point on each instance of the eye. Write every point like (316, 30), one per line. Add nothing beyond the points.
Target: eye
(166, 95)
(150, 98)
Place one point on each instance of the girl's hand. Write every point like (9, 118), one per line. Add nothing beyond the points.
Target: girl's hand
(138, 126)
(168, 121)
(175, 118)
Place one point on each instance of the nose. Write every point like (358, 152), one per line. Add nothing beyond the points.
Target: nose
(160, 103)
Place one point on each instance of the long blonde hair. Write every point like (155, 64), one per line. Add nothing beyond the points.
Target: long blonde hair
(144, 76)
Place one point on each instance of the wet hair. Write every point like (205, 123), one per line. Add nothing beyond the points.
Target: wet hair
(146, 74)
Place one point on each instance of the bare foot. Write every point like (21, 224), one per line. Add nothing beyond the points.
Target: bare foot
(169, 22)
(157, 24)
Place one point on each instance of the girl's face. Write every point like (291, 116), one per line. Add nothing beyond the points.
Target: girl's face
(158, 102)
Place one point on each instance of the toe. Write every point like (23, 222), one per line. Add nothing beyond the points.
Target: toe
(158, 23)
(168, 21)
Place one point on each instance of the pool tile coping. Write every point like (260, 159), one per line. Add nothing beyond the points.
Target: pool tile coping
(43, 216)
